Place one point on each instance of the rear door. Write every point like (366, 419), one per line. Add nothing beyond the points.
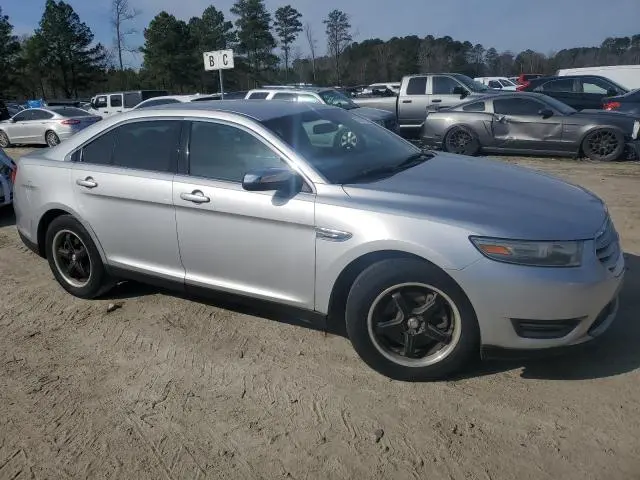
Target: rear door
(115, 103)
(565, 90)
(518, 125)
(123, 183)
(40, 122)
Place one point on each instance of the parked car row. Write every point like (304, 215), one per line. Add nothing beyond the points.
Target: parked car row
(428, 259)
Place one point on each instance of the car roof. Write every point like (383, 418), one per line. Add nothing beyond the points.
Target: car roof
(291, 89)
(260, 111)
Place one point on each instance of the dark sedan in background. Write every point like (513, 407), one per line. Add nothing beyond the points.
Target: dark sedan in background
(581, 92)
(627, 103)
(531, 123)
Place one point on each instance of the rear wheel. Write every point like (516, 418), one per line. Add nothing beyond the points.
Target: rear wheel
(409, 320)
(603, 145)
(51, 138)
(74, 259)
(4, 140)
(462, 141)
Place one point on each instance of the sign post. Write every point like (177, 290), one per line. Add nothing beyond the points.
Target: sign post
(218, 60)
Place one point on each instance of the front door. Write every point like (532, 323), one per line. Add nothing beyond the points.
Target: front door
(518, 124)
(249, 243)
(442, 87)
(123, 182)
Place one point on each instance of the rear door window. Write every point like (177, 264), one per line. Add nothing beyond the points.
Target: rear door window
(417, 86)
(41, 115)
(285, 96)
(258, 95)
(132, 99)
(115, 100)
(560, 85)
(517, 106)
(150, 145)
(494, 84)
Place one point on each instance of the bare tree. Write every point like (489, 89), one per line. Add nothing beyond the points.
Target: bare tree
(338, 30)
(121, 13)
(308, 31)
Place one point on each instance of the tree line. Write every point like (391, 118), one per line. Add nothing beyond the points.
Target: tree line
(60, 59)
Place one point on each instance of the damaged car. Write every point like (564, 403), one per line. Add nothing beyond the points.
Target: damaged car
(532, 123)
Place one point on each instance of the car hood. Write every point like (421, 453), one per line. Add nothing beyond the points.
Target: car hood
(487, 198)
(372, 113)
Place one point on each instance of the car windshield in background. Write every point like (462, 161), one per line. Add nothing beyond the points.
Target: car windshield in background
(70, 111)
(337, 99)
(470, 83)
(558, 105)
(341, 146)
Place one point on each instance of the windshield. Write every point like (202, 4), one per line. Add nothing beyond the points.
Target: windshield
(558, 105)
(469, 83)
(341, 146)
(337, 99)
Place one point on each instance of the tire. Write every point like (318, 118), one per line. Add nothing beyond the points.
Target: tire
(603, 145)
(369, 295)
(4, 140)
(346, 139)
(468, 143)
(51, 138)
(97, 281)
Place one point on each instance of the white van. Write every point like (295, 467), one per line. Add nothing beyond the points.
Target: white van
(497, 83)
(626, 75)
(105, 104)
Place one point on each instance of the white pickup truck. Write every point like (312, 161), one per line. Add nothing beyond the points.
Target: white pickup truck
(428, 92)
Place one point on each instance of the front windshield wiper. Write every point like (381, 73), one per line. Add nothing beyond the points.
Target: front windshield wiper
(390, 170)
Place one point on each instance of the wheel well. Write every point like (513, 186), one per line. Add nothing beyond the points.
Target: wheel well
(340, 291)
(43, 226)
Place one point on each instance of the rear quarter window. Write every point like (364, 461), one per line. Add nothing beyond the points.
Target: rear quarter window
(474, 107)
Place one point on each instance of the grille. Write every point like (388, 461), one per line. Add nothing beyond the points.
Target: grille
(608, 246)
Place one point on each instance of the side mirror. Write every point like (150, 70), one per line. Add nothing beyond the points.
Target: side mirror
(460, 91)
(545, 113)
(324, 128)
(272, 179)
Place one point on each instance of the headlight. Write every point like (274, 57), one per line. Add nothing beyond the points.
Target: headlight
(636, 129)
(537, 254)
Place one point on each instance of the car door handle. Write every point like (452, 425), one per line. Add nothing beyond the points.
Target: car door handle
(87, 182)
(196, 197)
(499, 118)
(437, 100)
(407, 101)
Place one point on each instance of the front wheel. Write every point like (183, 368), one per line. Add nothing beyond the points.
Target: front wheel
(603, 145)
(74, 259)
(409, 320)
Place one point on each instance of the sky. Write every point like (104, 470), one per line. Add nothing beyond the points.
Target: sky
(542, 25)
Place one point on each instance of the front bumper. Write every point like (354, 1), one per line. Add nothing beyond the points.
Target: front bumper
(531, 308)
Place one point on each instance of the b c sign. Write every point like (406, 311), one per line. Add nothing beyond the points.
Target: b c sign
(218, 60)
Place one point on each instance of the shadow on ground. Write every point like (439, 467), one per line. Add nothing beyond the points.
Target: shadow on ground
(615, 353)
(7, 217)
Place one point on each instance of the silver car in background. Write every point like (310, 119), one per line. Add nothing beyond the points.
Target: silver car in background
(7, 167)
(427, 259)
(44, 126)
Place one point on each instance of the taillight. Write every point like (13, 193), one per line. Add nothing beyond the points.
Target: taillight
(611, 105)
(71, 121)
(522, 86)
(12, 175)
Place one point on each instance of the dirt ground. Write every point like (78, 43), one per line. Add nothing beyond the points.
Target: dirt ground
(166, 387)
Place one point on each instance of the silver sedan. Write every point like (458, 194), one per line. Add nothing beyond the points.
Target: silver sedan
(427, 259)
(44, 126)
